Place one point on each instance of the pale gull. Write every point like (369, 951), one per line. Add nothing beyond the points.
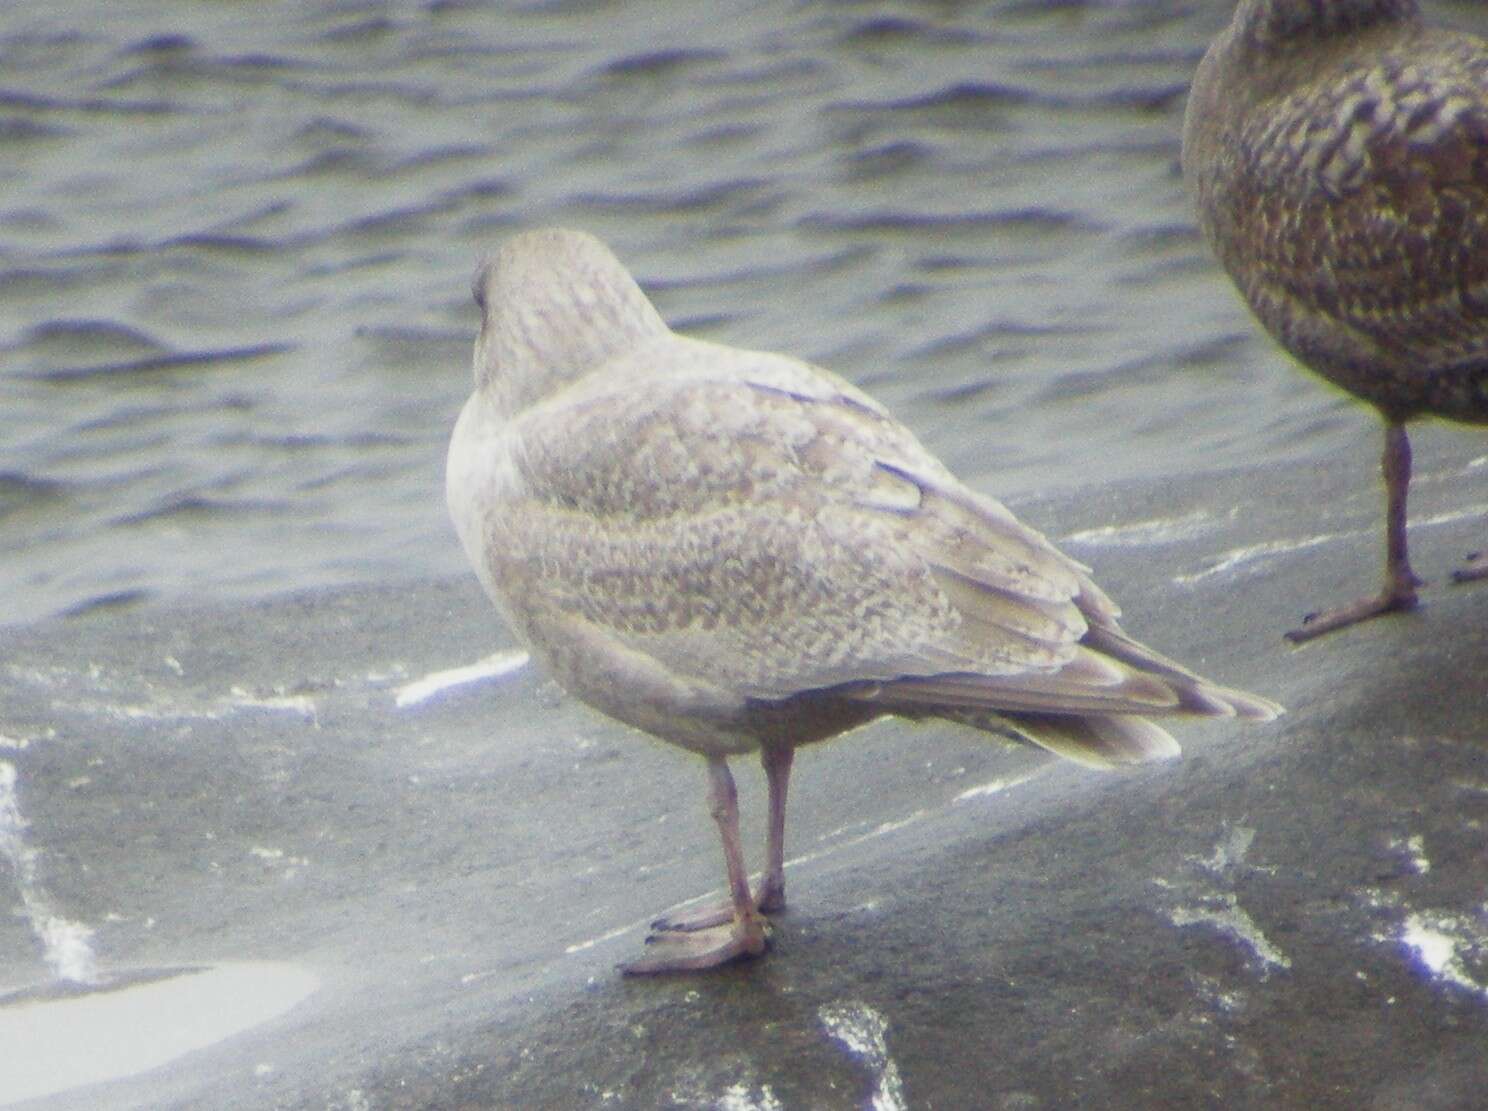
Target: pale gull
(1338, 150)
(741, 552)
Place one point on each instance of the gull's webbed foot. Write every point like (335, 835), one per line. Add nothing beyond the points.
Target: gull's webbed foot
(1473, 568)
(768, 899)
(696, 947)
(1327, 621)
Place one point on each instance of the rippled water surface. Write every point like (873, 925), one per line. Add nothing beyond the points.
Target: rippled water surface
(236, 243)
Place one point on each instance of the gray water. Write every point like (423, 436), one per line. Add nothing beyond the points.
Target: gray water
(236, 242)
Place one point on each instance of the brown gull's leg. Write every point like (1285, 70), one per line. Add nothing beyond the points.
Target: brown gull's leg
(1399, 591)
(747, 932)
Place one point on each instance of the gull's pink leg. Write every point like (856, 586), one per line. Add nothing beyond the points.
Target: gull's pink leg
(771, 897)
(746, 934)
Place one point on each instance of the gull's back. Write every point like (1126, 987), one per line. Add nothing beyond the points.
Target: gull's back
(728, 548)
(1339, 155)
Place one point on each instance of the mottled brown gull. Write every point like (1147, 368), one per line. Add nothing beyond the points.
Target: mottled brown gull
(740, 552)
(1338, 151)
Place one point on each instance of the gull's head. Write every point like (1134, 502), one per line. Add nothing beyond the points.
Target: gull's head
(554, 305)
(1269, 25)
(1268, 48)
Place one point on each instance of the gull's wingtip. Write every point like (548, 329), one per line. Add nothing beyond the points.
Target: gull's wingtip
(1252, 707)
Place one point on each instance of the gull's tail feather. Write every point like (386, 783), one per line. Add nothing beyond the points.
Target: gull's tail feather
(1095, 740)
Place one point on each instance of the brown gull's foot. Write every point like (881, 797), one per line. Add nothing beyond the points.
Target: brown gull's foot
(696, 948)
(1391, 600)
(1399, 592)
(1473, 568)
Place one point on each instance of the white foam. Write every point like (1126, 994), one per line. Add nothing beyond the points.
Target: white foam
(236, 701)
(1415, 848)
(1224, 912)
(1254, 553)
(299, 704)
(1229, 852)
(876, 831)
(997, 786)
(1240, 557)
(1142, 534)
(863, 1032)
(1438, 941)
(1474, 512)
(743, 1097)
(1436, 950)
(66, 945)
(492, 667)
(618, 931)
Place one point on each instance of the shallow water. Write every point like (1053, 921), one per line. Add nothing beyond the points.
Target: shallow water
(64, 1040)
(235, 254)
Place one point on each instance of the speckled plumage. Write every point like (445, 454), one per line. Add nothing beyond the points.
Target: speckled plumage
(1338, 152)
(736, 551)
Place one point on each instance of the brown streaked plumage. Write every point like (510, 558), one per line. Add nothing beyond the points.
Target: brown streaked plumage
(1338, 151)
(738, 552)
